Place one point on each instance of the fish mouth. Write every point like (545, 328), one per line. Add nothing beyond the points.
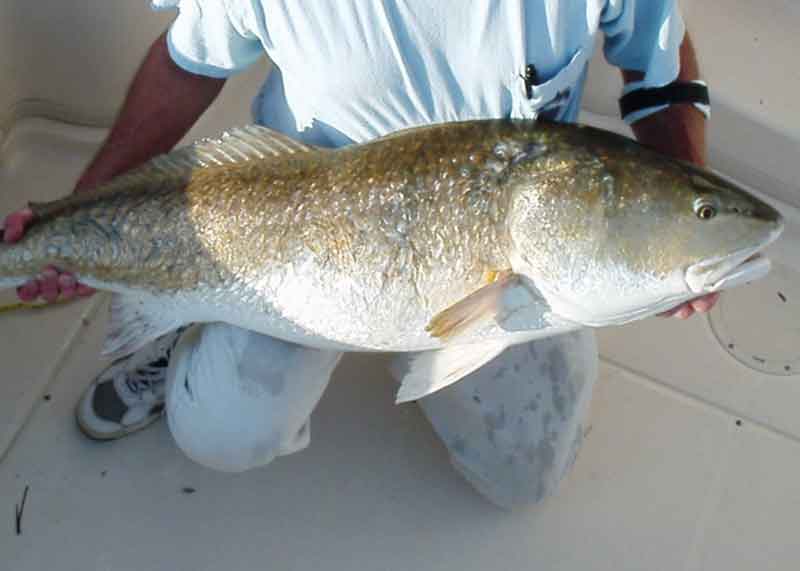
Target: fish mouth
(723, 272)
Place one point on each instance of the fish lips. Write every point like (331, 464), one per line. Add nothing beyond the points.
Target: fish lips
(723, 272)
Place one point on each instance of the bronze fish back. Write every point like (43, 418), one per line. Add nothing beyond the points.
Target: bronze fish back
(401, 207)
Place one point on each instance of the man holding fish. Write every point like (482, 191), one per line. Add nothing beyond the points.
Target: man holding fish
(351, 72)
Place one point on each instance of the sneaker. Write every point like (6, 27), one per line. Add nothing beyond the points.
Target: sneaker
(129, 394)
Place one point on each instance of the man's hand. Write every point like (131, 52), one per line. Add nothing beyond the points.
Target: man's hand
(162, 104)
(51, 283)
(697, 305)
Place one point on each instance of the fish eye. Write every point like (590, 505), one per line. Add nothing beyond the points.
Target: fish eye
(706, 212)
(705, 209)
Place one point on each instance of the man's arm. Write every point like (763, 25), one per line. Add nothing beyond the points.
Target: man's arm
(678, 131)
(162, 104)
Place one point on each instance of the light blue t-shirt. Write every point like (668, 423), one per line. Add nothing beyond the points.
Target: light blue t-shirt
(352, 70)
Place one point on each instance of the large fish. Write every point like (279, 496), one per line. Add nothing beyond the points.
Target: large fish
(463, 237)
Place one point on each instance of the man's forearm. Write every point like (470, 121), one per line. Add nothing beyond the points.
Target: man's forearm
(679, 130)
(162, 104)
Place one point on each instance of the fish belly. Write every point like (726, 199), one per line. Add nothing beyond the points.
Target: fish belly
(320, 315)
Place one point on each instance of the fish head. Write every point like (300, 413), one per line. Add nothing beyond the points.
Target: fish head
(729, 232)
(615, 232)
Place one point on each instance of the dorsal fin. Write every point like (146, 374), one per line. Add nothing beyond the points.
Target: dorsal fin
(237, 146)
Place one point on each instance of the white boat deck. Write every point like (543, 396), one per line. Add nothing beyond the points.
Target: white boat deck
(690, 462)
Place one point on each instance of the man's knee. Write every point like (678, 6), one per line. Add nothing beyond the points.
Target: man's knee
(232, 448)
(517, 472)
(230, 406)
(513, 427)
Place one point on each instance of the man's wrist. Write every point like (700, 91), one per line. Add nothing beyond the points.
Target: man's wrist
(678, 131)
(640, 100)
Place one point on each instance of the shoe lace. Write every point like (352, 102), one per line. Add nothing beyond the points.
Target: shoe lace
(143, 379)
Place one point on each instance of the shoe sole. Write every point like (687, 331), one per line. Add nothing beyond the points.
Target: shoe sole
(116, 435)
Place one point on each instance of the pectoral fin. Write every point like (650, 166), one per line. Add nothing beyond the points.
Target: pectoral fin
(424, 373)
(483, 304)
(511, 304)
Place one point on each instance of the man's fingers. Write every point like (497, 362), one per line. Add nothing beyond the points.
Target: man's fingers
(48, 285)
(698, 305)
(83, 290)
(67, 285)
(15, 223)
(29, 291)
(670, 312)
(51, 283)
(705, 303)
(683, 311)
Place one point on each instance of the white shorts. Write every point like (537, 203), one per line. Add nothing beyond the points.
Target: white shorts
(237, 399)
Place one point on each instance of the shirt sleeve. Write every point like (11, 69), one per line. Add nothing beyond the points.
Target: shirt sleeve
(644, 35)
(209, 37)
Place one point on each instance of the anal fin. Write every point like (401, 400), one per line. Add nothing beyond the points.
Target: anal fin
(135, 321)
(426, 372)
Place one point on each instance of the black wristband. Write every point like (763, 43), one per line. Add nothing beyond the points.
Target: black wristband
(675, 92)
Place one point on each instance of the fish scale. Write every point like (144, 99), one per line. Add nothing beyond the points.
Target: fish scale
(361, 248)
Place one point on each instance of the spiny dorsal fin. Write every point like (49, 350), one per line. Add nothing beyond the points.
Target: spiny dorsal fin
(237, 146)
